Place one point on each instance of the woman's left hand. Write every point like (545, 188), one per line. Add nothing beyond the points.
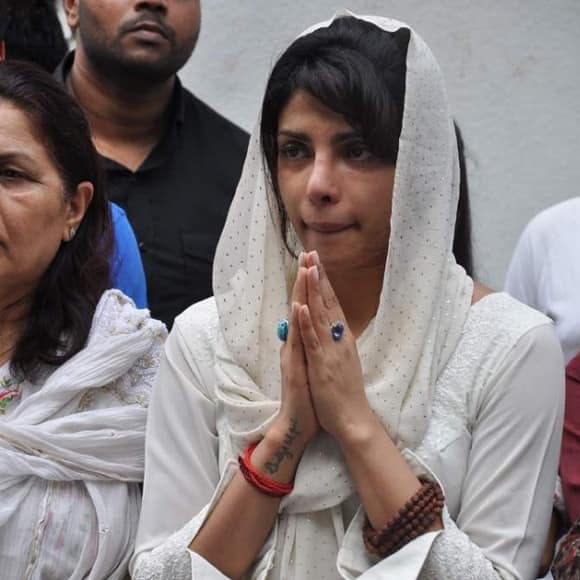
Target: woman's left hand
(333, 366)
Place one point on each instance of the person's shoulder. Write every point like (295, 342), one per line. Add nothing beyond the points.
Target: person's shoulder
(199, 322)
(501, 335)
(121, 226)
(117, 213)
(129, 344)
(214, 121)
(195, 334)
(548, 241)
(517, 358)
(564, 216)
(500, 321)
(116, 313)
(499, 326)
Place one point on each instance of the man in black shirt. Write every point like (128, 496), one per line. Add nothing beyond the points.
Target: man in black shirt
(171, 161)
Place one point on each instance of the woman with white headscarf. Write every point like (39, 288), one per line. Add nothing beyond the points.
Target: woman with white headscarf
(410, 425)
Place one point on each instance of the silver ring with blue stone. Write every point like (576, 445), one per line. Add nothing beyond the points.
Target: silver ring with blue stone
(337, 330)
(282, 329)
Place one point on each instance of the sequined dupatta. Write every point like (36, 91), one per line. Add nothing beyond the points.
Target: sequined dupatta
(423, 306)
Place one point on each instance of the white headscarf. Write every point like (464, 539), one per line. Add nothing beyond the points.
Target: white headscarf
(423, 305)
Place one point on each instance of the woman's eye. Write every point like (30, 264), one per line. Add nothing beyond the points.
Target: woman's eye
(293, 151)
(8, 174)
(358, 152)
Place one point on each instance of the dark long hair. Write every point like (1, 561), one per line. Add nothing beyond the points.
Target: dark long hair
(462, 245)
(66, 296)
(357, 70)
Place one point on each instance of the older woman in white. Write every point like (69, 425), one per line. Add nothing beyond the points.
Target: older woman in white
(76, 360)
(399, 381)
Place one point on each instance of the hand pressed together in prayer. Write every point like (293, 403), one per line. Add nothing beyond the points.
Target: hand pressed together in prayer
(329, 368)
(296, 406)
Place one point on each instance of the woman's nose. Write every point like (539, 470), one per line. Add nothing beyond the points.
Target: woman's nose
(322, 186)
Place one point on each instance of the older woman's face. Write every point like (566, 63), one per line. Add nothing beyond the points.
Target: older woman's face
(34, 218)
(336, 193)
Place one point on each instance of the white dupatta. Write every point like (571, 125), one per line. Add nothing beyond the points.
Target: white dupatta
(48, 437)
(424, 303)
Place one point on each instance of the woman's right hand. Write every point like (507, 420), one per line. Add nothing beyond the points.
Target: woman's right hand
(296, 420)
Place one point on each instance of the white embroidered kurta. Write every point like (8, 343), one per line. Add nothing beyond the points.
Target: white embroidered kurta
(492, 441)
(71, 453)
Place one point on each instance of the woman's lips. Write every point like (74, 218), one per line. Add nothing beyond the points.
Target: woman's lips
(328, 227)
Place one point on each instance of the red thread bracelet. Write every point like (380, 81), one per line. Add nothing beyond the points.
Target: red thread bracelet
(258, 480)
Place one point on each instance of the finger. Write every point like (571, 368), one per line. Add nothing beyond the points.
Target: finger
(310, 341)
(327, 291)
(298, 290)
(293, 348)
(317, 310)
(294, 338)
(309, 259)
(293, 359)
(300, 293)
(301, 261)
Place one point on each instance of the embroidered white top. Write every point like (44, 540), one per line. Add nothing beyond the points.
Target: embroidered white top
(492, 441)
(71, 453)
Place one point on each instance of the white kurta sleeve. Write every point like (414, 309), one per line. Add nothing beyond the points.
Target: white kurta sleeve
(507, 494)
(181, 468)
(506, 498)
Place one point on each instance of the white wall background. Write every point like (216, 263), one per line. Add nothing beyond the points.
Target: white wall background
(513, 75)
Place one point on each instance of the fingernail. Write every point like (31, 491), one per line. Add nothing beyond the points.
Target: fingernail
(314, 272)
(316, 257)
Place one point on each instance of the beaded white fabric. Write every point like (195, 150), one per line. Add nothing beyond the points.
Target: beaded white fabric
(72, 453)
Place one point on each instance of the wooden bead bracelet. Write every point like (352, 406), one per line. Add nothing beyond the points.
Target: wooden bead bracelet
(415, 518)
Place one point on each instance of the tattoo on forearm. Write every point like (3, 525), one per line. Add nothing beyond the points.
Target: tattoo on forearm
(284, 451)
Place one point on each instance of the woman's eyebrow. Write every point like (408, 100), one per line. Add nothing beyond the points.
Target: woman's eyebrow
(337, 138)
(293, 134)
(14, 156)
(346, 136)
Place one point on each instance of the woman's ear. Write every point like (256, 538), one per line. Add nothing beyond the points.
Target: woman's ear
(76, 207)
(71, 8)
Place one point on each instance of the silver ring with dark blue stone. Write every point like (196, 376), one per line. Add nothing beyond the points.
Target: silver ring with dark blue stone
(282, 329)
(337, 330)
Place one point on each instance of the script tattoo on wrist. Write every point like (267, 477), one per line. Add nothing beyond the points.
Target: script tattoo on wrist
(284, 451)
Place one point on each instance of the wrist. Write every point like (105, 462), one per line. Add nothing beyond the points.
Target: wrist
(280, 451)
(357, 433)
(288, 430)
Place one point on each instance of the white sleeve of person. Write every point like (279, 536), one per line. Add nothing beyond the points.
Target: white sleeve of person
(501, 508)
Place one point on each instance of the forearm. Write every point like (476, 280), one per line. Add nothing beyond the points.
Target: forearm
(383, 479)
(244, 516)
